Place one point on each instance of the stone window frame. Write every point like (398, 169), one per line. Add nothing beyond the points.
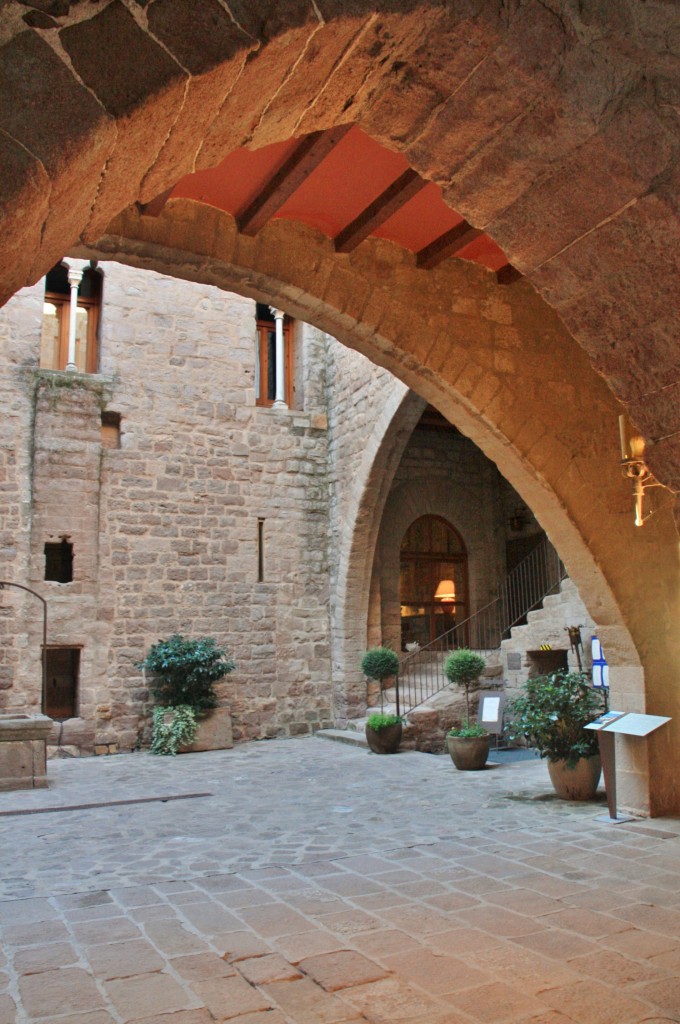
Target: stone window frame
(62, 303)
(265, 343)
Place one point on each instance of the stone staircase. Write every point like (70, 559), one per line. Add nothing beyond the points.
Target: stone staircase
(425, 726)
(546, 627)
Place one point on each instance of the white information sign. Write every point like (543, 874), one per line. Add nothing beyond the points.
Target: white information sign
(637, 725)
(627, 724)
(490, 708)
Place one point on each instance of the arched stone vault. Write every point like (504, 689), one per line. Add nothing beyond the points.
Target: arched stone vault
(553, 127)
(500, 365)
(356, 551)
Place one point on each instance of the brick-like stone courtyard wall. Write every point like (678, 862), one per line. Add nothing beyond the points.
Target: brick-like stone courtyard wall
(547, 626)
(164, 528)
(19, 330)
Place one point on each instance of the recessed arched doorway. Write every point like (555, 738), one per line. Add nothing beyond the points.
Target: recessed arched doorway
(432, 553)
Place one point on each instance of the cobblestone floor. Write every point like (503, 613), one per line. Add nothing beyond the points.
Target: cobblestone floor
(308, 882)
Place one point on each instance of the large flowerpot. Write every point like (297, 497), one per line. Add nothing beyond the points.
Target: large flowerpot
(384, 741)
(579, 782)
(469, 753)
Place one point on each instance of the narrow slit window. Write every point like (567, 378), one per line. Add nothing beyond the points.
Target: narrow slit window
(260, 550)
(61, 682)
(59, 562)
(110, 430)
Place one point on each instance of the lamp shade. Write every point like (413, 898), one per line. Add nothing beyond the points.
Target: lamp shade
(446, 591)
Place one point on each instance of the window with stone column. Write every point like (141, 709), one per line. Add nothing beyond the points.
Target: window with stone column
(63, 286)
(269, 391)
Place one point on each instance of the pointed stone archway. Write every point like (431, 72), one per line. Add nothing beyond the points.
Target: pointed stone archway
(502, 368)
(550, 129)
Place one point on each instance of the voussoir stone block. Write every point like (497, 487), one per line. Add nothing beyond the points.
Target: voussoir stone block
(140, 85)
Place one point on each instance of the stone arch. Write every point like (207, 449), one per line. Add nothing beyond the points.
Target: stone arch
(500, 366)
(356, 551)
(544, 125)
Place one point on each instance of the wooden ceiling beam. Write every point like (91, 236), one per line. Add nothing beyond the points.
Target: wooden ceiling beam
(508, 274)
(155, 207)
(396, 195)
(305, 158)
(446, 245)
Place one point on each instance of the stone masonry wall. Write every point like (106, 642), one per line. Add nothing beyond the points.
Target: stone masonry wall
(164, 528)
(443, 473)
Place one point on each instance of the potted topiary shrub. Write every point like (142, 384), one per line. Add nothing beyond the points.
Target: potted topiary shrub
(383, 731)
(551, 715)
(185, 672)
(469, 744)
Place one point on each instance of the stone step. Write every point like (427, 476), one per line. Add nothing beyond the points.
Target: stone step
(351, 736)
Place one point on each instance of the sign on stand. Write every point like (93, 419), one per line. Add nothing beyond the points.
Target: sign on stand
(607, 726)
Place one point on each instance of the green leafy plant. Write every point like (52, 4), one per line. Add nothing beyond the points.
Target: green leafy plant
(378, 721)
(468, 732)
(186, 671)
(551, 715)
(380, 663)
(173, 728)
(463, 668)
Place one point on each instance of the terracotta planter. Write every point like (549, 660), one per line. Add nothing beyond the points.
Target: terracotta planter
(384, 741)
(468, 753)
(579, 782)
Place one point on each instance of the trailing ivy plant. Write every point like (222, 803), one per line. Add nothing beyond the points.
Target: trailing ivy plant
(173, 728)
(186, 670)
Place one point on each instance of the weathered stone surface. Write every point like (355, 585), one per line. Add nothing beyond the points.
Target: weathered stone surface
(214, 732)
(24, 192)
(240, 115)
(61, 124)
(334, 971)
(71, 989)
(145, 101)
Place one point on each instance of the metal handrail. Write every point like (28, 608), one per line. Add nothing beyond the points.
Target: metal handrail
(421, 674)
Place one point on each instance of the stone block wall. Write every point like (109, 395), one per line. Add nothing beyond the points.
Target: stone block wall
(547, 627)
(165, 527)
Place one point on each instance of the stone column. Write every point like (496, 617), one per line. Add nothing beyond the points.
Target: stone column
(280, 399)
(74, 279)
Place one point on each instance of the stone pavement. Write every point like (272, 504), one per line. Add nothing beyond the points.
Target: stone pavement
(307, 882)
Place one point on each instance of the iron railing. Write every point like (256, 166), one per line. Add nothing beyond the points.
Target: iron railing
(421, 674)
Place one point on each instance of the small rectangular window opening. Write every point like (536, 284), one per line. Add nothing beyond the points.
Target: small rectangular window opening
(260, 550)
(61, 682)
(59, 561)
(110, 430)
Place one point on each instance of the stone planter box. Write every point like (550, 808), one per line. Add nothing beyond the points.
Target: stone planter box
(214, 732)
(23, 751)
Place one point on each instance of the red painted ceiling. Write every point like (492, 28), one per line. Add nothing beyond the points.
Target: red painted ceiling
(338, 190)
